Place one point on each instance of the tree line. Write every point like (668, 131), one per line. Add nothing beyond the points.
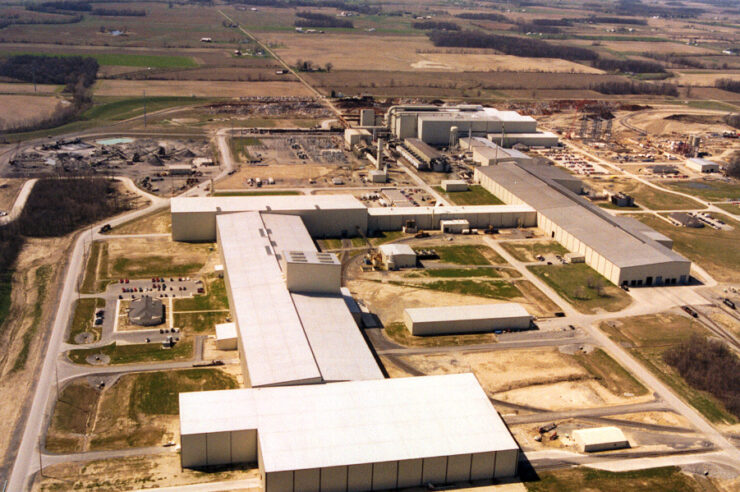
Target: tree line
(69, 70)
(119, 12)
(633, 66)
(490, 16)
(361, 8)
(708, 365)
(60, 6)
(728, 85)
(438, 25)
(510, 45)
(315, 19)
(632, 87)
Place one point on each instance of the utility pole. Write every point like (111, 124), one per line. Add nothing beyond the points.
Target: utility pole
(144, 109)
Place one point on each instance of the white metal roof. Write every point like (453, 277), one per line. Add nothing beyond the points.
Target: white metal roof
(454, 181)
(396, 249)
(302, 427)
(600, 435)
(336, 342)
(270, 333)
(225, 331)
(474, 312)
(444, 211)
(264, 203)
(287, 233)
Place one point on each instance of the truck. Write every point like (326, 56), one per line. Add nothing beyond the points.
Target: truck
(729, 303)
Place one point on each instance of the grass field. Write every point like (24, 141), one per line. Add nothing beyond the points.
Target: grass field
(715, 251)
(711, 191)
(527, 251)
(215, 297)
(202, 322)
(129, 354)
(461, 272)
(258, 193)
(468, 255)
(733, 208)
(490, 289)
(609, 373)
(400, 334)
(153, 266)
(239, 146)
(649, 197)
(579, 284)
(476, 195)
(385, 237)
(123, 109)
(82, 320)
(152, 223)
(648, 337)
(667, 479)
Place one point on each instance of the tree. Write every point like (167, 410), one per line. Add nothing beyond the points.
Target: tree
(733, 166)
(329, 66)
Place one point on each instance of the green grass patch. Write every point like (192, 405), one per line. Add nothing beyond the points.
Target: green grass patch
(665, 479)
(715, 250)
(129, 354)
(466, 254)
(609, 373)
(385, 237)
(648, 337)
(157, 393)
(476, 195)
(203, 322)
(83, 318)
(527, 251)
(713, 105)
(258, 193)
(583, 287)
(732, 208)
(461, 272)
(400, 334)
(489, 289)
(331, 243)
(124, 59)
(123, 109)
(239, 146)
(90, 280)
(711, 191)
(214, 298)
(153, 266)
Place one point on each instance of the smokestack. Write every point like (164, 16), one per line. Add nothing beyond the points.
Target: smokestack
(380, 154)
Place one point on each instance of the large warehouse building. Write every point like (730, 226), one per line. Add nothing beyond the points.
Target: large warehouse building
(621, 252)
(435, 125)
(352, 436)
(446, 320)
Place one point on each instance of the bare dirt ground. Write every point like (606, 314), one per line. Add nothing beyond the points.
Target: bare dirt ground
(138, 254)
(658, 418)
(156, 223)
(542, 378)
(18, 109)
(284, 175)
(487, 62)
(18, 379)
(9, 88)
(131, 473)
(666, 123)
(9, 189)
(705, 79)
(198, 88)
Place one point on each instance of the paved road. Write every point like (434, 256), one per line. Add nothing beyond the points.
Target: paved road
(652, 406)
(20, 202)
(489, 347)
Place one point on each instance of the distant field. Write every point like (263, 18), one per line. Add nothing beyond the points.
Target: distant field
(198, 88)
(129, 108)
(17, 109)
(125, 60)
(704, 78)
(708, 190)
(9, 88)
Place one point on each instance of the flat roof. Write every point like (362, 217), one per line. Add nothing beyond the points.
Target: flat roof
(703, 162)
(599, 435)
(444, 211)
(286, 338)
(536, 185)
(522, 135)
(225, 331)
(396, 249)
(316, 426)
(464, 313)
(282, 203)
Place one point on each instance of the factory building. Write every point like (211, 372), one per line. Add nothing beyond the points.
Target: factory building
(487, 153)
(287, 337)
(194, 218)
(440, 125)
(454, 185)
(702, 165)
(448, 320)
(600, 439)
(615, 248)
(397, 256)
(352, 436)
(454, 226)
(536, 139)
(429, 157)
(226, 337)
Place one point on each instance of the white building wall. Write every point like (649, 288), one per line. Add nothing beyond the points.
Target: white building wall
(506, 463)
(385, 475)
(482, 466)
(359, 477)
(458, 468)
(306, 480)
(334, 479)
(409, 473)
(435, 469)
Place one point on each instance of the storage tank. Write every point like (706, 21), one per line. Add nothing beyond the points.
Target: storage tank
(454, 136)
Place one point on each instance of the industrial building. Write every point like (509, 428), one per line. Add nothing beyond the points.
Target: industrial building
(487, 153)
(429, 157)
(454, 226)
(454, 185)
(352, 436)
(194, 218)
(619, 250)
(600, 439)
(298, 336)
(447, 320)
(397, 256)
(146, 311)
(441, 125)
(702, 165)
(226, 336)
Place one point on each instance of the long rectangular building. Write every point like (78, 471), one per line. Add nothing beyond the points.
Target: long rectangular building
(622, 253)
(281, 336)
(352, 436)
(442, 320)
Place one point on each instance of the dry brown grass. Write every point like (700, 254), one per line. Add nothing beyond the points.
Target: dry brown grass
(187, 88)
(19, 109)
(8, 88)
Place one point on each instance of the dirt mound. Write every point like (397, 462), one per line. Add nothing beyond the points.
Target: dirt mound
(706, 119)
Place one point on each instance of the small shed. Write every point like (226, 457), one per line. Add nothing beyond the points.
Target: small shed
(600, 439)
(398, 256)
(702, 165)
(226, 336)
(378, 176)
(146, 312)
(454, 185)
(454, 226)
